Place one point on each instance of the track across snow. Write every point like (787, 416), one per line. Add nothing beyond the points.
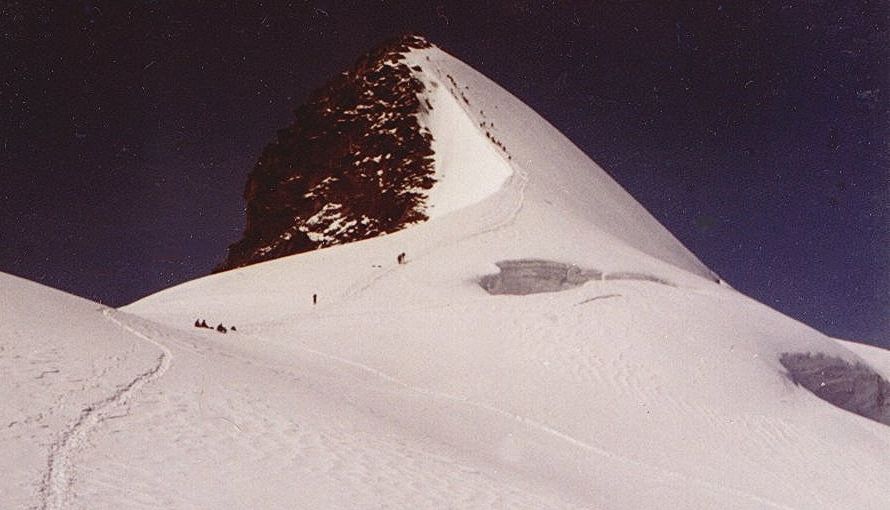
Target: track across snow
(54, 490)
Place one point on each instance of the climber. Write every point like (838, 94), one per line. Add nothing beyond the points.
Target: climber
(221, 328)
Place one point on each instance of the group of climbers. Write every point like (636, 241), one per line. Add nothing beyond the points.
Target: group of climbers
(201, 323)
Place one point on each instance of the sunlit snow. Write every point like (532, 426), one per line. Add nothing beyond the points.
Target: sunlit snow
(467, 167)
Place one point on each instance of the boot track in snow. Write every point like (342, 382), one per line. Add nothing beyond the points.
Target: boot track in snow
(59, 477)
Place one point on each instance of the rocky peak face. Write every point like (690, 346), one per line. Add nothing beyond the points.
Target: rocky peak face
(355, 163)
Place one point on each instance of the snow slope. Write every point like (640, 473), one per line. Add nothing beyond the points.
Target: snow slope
(468, 167)
(410, 386)
(67, 367)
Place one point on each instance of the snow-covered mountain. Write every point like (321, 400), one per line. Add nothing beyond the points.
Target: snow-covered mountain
(528, 336)
(397, 139)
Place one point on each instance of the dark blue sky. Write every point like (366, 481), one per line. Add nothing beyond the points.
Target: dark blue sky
(756, 131)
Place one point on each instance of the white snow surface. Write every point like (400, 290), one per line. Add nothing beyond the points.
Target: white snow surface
(468, 168)
(409, 386)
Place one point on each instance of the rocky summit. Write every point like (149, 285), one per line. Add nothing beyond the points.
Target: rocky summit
(356, 162)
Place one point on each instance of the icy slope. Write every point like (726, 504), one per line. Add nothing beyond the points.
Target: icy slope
(557, 181)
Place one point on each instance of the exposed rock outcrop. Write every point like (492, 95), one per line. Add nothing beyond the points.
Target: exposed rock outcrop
(355, 163)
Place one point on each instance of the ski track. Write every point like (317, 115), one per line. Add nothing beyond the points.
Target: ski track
(543, 427)
(56, 485)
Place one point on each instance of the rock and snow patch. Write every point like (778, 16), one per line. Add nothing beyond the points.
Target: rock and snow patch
(356, 144)
(389, 142)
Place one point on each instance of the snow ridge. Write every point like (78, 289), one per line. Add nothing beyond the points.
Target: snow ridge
(55, 487)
